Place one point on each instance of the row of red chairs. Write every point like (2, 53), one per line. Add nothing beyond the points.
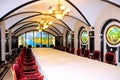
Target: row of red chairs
(70, 50)
(96, 55)
(110, 57)
(25, 67)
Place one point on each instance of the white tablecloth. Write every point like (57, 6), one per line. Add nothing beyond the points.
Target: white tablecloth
(59, 65)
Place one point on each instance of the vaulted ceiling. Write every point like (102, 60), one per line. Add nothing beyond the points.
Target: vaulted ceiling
(22, 14)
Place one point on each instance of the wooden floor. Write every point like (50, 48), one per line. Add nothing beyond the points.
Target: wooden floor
(58, 65)
(8, 76)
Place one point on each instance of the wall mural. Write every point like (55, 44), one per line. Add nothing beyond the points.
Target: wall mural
(113, 35)
(29, 38)
(36, 38)
(69, 39)
(84, 37)
(21, 40)
(45, 39)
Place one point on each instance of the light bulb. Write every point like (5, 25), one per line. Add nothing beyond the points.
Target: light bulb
(38, 28)
(50, 22)
(62, 7)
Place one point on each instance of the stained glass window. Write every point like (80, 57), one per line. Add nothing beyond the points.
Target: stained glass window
(21, 40)
(45, 39)
(69, 39)
(51, 40)
(113, 34)
(37, 38)
(29, 38)
(84, 37)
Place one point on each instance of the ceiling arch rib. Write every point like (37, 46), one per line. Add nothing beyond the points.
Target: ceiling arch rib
(30, 2)
(10, 21)
(56, 29)
(113, 2)
(32, 27)
(33, 16)
(23, 25)
(21, 13)
(58, 26)
(26, 22)
(36, 12)
(34, 23)
(79, 12)
(77, 3)
(74, 10)
(22, 20)
(51, 30)
(18, 6)
(30, 12)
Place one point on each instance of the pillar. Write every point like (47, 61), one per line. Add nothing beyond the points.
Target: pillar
(10, 41)
(3, 53)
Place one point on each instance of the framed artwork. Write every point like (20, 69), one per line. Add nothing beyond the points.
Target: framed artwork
(113, 35)
(84, 37)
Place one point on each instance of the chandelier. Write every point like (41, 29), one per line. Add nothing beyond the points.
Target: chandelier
(43, 24)
(60, 11)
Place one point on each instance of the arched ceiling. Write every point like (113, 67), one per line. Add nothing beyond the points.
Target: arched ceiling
(20, 13)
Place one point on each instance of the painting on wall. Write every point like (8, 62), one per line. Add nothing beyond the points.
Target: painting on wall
(36, 39)
(84, 37)
(113, 35)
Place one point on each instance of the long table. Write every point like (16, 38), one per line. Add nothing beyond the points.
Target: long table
(58, 65)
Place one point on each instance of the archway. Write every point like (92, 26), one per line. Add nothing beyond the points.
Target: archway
(110, 39)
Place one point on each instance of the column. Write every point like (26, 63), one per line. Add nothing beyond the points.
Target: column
(2, 25)
(91, 40)
(10, 41)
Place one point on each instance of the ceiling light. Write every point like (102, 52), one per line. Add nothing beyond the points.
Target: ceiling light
(60, 11)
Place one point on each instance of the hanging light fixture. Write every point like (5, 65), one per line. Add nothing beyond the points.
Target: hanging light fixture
(43, 24)
(60, 11)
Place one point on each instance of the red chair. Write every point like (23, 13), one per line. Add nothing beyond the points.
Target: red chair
(69, 49)
(86, 53)
(13, 73)
(110, 58)
(17, 70)
(35, 78)
(79, 52)
(96, 55)
(64, 48)
(72, 50)
(21, 76)
(31, 68)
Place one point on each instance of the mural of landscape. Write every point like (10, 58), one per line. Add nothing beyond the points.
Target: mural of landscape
(36, 39)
